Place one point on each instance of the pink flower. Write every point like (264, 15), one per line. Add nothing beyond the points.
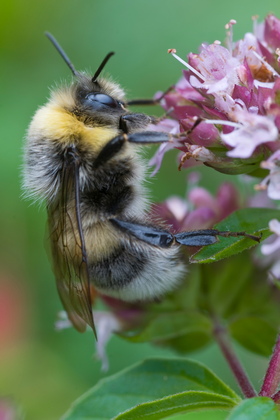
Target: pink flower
(253, 131)
(272, 181)
(201, 210)
(8, 410)
(13, 312)
(274, 226)
(106, 323)
(272, 31)
(272, 250)
(218, 69)
(170, 126)
(228, 103)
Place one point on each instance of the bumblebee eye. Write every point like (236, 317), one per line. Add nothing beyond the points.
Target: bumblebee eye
(98, 100)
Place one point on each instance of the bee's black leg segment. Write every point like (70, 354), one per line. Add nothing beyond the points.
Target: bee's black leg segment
(123, 124)
(132, 122)
(151, 235)
(110, 150)
(208, 236)
(197, 237)
(150, 101)
(149, 137)
(115, 145)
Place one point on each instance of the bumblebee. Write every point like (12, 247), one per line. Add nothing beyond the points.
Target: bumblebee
(82, 158)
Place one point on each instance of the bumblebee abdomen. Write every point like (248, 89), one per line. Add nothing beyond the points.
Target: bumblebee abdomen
(118, 269)
(137, 271)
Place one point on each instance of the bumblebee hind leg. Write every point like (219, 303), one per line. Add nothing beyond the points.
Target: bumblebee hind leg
(164, 239)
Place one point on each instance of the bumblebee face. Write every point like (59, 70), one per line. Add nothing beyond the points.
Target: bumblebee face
(98, 103)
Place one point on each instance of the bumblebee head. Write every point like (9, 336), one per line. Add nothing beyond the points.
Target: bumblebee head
(94, 97)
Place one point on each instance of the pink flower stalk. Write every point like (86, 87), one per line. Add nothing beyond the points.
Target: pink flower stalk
(228, 102)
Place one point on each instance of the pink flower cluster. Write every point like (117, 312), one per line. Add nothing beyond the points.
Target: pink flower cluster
(201, 210)
(227, 109)
(228, 103)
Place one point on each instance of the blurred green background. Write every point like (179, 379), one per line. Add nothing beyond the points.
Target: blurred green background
(42, 370)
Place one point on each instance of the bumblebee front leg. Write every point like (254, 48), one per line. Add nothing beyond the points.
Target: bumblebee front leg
(164, 239)
(115, 145)
(135, 122)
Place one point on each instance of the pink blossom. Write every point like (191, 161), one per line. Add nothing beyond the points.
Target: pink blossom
(228, 105)
(157, 158)
(275, 270)
(272, 249)
(217, 67)
(253, 131)
(200, 210)
(8, 410)
(274, 226)
(106, 323)
(171, 126)
(272, 31)
(272, 181)
(177, 206)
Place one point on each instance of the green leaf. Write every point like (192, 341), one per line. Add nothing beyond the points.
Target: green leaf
(170, 325)
(187, 343)
(258, 408)
(236, 288)
(148, 382)
(255, 334)
(224, 283)
(251, 220)
(179, 403)
(183, 331)
(234, 166)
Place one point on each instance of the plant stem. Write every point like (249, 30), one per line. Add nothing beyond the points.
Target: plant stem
(272, 376)
(234, 363)
(276, 397)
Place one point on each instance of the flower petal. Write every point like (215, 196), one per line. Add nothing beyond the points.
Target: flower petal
(255, 130)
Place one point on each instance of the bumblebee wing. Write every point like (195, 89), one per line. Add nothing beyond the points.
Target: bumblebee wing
(68, 249)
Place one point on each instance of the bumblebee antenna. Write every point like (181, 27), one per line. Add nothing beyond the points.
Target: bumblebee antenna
(62, 53)
(101, 67)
